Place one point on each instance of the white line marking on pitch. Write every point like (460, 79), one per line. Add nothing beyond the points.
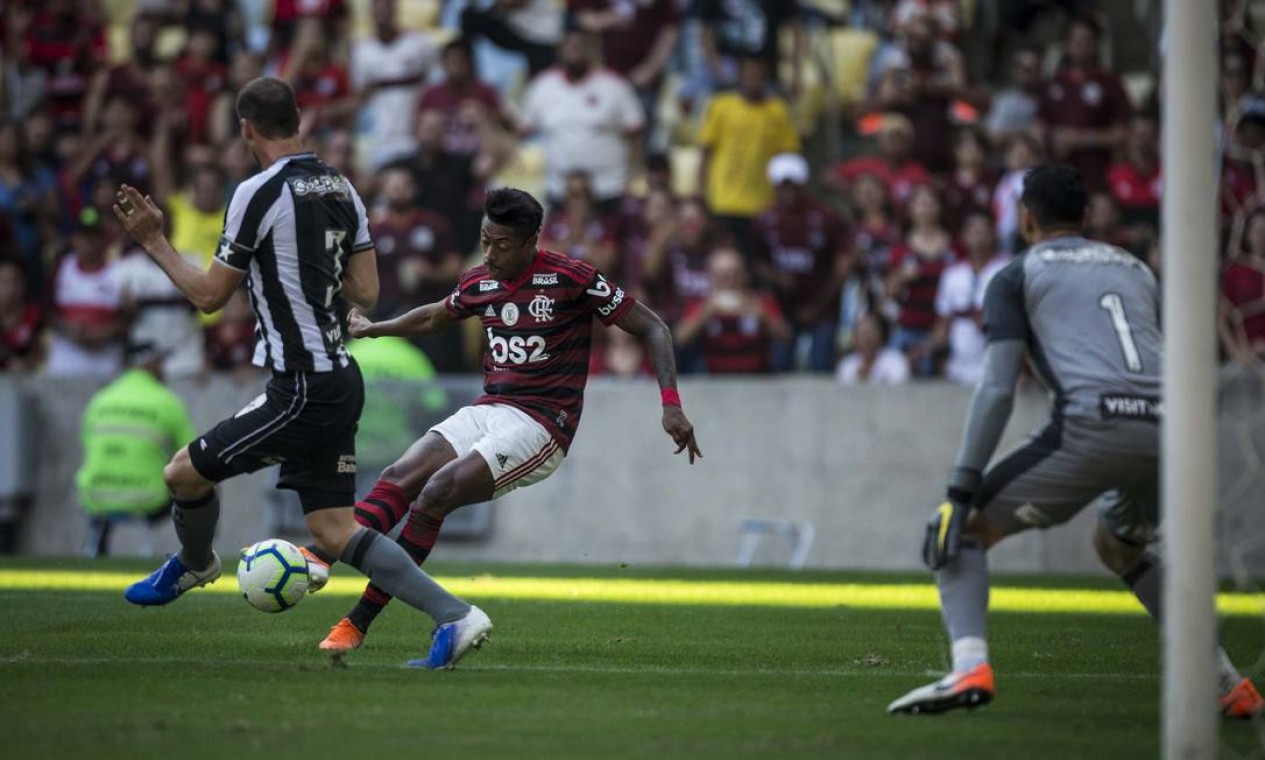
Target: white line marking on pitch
(611, 669)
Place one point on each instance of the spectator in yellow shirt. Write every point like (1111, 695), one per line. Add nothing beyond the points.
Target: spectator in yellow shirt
(742, 130)
(196, 216)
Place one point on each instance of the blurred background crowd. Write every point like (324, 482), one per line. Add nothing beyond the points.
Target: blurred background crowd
(815, 186)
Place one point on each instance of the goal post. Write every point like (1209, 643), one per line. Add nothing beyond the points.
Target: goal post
(1189, 445)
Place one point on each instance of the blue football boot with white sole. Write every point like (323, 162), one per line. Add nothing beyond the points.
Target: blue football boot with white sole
(169, 581)
(452, 640)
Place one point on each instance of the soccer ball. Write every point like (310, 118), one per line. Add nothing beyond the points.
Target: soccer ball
(272, 575)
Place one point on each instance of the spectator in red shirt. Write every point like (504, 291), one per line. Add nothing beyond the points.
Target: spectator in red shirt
(578, 228)
(675, 269)
(205, 78)
(893, 164)
(1135, 182)
(924, 80)
(321, 86)
(418, 262)
(230, 342)
(21, 320)
(969, 187)
(801, 255)
(914, 279)
(65, 39)
(1239, 178)
(734, 325)
(1103, 222)
(655, 216)
(461, 86)
(1084, 111)
(875, 235)
(638, 39)
(288, 15)
(1242, 323)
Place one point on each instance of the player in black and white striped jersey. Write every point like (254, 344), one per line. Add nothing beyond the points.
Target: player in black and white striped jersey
(297, 234)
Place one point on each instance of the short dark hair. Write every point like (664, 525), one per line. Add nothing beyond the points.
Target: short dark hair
(1055, 195)
(1087, 20)
(460, 45)
(511, 207)
(269, 105)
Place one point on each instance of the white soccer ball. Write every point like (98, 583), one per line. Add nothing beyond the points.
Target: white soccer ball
(272, 575)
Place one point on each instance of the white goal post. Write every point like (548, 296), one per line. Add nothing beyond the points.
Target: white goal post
(1190, 721)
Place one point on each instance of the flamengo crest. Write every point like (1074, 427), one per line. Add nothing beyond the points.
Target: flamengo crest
(541, 307)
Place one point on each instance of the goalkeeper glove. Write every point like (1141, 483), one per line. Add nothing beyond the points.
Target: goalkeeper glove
(944, 529)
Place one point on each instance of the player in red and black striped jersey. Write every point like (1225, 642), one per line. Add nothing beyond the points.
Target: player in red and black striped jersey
(537, 309)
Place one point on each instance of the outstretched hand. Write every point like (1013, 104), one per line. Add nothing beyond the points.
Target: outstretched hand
(139, 215)
(358, 324)
(679, 427)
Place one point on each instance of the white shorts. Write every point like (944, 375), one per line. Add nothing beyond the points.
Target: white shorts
(516, 447)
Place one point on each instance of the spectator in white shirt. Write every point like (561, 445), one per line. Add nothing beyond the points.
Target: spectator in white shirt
(960, 300)
(87, 320)
(589, 119)
(872, 362)
(388, 69)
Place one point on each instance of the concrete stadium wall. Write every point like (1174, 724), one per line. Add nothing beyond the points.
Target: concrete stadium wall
(864, 465)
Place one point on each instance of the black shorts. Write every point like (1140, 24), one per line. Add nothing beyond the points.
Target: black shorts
(304, 421)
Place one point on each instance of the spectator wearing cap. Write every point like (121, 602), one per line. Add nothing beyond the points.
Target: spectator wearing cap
(21, 320)
(742, 131)
(801, 254)
(959, 330)
(1014, 108)
(1084, 112)
(734, 326)
(899, 172)
(926, 76)
(388, 69)
(588, 118)
(87, 317)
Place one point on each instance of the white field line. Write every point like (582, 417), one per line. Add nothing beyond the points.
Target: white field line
(19, 660)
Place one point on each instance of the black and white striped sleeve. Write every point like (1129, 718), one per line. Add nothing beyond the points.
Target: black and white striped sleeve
(250, 215)
(362, 241)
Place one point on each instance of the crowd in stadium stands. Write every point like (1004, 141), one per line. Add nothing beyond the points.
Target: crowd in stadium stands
(819, 185)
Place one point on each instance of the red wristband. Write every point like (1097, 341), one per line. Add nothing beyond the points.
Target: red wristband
(670, 397)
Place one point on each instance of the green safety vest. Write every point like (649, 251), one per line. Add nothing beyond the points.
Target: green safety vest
(130, 430)
(398, 375)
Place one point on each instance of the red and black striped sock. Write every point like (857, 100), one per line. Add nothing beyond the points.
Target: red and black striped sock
(383, 507)
(418, 538)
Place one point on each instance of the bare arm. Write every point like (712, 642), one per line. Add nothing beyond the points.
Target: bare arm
(646, 325)
(360, 280)
(424, 320)
(208, 290)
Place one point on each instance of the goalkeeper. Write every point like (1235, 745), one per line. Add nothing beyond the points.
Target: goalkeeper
(1087, 316)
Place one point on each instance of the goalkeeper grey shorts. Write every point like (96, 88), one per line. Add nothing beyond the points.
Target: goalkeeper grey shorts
(1072, 463)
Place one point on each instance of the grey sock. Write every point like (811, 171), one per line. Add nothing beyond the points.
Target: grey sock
(195, 521)
(964, 593)
(1146, 580)
(390, 567)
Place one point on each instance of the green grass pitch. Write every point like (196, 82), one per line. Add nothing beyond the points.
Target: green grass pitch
(585, 662)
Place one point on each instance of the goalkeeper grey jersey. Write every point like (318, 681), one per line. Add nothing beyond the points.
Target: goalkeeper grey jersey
(1089, 314)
